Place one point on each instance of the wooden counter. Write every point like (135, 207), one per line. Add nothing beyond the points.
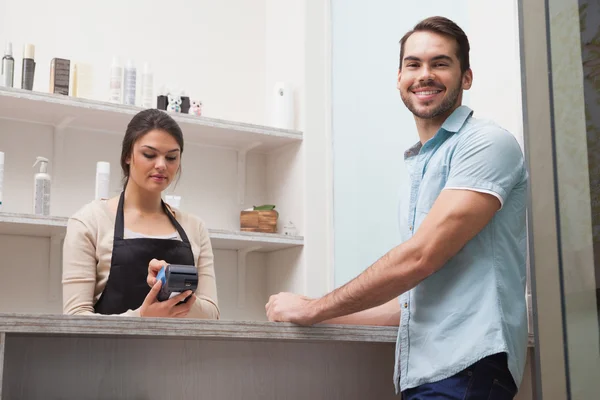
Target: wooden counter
(91, 357)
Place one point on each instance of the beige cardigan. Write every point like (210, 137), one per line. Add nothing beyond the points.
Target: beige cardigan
(87, 253)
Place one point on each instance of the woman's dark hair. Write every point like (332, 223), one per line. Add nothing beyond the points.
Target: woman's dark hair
(142, 123)
(446, 27)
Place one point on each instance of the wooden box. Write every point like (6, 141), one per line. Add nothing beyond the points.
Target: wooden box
(259, 221)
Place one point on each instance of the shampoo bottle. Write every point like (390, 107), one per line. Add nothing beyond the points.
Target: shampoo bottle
(8, 67)
(41, 188)
(116, 82)
(102, 180)
(28, 69)
(147, 87)
(129, 83)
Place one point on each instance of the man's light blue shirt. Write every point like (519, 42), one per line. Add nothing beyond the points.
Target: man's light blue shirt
(475, 305)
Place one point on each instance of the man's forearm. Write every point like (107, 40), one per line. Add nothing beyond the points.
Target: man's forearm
(393, 274)
(387, 314)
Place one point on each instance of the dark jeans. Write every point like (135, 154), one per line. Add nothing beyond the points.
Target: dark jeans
(487, 379)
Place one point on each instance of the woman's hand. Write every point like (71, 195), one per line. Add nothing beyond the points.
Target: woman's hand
(168, 308)
(153, 269)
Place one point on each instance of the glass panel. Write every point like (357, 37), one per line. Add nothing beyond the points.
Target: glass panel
(575, 80)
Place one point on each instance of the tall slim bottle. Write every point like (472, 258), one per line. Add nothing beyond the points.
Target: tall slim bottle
(28, 71)
(8, 67)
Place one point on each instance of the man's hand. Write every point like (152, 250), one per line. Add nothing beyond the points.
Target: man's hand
(290, 307)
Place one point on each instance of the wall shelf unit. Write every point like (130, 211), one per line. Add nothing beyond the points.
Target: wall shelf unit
(41, 226)
(65, 111)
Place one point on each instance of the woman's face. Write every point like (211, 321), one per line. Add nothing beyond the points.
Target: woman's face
(155, 160)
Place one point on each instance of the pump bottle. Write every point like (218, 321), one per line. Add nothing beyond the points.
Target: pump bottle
(41, 188)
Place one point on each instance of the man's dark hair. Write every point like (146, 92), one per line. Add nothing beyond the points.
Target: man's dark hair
(446, 27)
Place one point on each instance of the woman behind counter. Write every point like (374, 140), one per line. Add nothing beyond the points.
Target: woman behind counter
(114, 248)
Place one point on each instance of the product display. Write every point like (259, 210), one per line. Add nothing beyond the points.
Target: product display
(28, 67)
(174, 103)
(41, 188)
(290, 229)
(259, 219)
(116, 81)
(173, 200)
(147, 87)
(82, 80)
(102, 180)
(282, 106)
(185, 104)
(129, 83)
(60, 76)
(195, 108)
(8, 67)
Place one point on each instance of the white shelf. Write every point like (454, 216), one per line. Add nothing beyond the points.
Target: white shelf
(40, 226)
(61, 111)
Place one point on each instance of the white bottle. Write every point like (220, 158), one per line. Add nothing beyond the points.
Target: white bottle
(102, 180)
(41, 188)
(282, 106)
(1, 177)
(148, 100)
(116, 82)
(8, 67)
(173, 200)
(129, 83)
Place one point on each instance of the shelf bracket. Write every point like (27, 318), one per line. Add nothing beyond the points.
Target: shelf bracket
(241, 275)
(63, 124)
(55, 266)
(241, 171)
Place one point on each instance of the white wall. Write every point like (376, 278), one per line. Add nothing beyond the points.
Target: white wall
(214, 50)
(372, 127)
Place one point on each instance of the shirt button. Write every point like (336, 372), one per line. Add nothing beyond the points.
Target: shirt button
(405, 305)
(410, 228)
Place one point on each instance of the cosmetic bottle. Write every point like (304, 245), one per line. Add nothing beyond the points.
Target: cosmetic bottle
(102, 180)
(8, 67)
(41, 188)
(116, 82)
(162, 99)
(1, 177)
(129, 83)
(147, 87)
(60, 76)
(173, 200)
(28, 68)
(185, 102)
(82, 80)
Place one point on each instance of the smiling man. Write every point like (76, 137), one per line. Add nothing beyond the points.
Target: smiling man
(456, 283)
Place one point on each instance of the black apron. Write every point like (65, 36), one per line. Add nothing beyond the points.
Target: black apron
(126, 288)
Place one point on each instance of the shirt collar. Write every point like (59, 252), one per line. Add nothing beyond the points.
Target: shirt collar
(457, 119)
(452, 124)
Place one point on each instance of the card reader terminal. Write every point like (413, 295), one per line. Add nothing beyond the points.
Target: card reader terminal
(177, 279)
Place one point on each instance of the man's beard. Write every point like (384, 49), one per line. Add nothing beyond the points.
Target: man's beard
(447, 104)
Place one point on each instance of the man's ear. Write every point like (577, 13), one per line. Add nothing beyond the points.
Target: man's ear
(398, 79)
(467, 79)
